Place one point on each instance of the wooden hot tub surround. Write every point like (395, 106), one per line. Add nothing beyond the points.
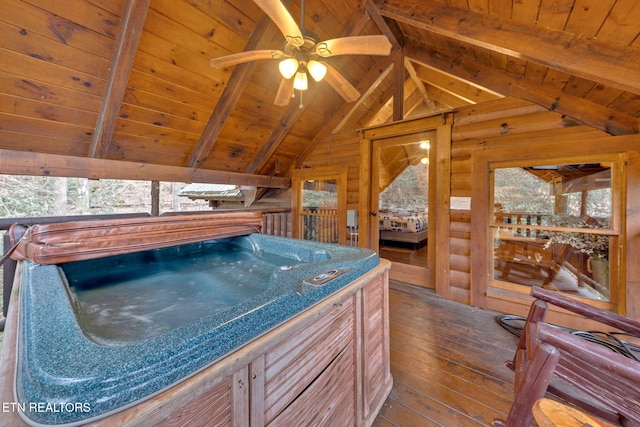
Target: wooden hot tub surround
(326, 366)
(306, 350)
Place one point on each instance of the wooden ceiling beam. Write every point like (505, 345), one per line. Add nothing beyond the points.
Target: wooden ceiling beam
(411, 70)
(444, 99)
(369, 84)
(553, 99)
(240, 76)
(469, 94)
(43, 164)
(133, 18)
(589, 58)
(286, 123)
(388, 28)
(398, 85)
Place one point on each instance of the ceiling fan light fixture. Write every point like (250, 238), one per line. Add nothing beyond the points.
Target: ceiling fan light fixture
(317, 70)
(300, 82)
(288, 67)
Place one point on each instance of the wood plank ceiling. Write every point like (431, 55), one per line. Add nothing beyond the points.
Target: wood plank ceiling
(130, 79)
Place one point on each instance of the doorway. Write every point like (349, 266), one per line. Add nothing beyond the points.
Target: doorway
(401, 171)
(400, 190)
(319, 205)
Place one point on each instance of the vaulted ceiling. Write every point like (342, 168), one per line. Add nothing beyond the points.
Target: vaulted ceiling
(130, 79)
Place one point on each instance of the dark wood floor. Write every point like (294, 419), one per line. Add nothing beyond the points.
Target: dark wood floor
(446, 361)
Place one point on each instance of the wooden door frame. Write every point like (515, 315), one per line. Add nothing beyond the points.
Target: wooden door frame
(439, 197)
(298, 176)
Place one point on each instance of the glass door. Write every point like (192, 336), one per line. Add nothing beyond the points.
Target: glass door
(401, 172)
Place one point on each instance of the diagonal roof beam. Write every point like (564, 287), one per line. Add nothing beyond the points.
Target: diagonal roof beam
(133, 18)
(286, 123)
(411, 70)
(617, 66)
(389, 29)
(467, 93)
(590, 113)
(371, 80)
(264, 31)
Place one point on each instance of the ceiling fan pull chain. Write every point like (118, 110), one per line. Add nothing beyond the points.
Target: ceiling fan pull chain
(301, 106)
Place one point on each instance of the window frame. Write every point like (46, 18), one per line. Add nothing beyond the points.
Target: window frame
(615, 232)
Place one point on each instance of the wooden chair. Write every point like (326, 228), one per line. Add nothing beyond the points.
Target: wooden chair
(550, 360)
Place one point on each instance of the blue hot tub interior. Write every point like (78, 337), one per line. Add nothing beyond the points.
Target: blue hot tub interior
(114, 331)
(137, 296)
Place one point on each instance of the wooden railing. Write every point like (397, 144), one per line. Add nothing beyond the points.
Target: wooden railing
(320, 224)
(277, 223)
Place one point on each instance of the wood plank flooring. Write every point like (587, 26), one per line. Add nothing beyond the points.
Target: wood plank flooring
(447, 362)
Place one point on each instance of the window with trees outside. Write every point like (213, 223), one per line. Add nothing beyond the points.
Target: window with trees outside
(557, 226)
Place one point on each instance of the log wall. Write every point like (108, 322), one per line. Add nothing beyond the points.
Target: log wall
(514, 129)
(506, 123)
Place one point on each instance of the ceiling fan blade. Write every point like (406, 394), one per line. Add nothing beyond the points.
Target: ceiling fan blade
(284, 92)
(356, 45)
(250, 55)
(283, 20)
(341, 85)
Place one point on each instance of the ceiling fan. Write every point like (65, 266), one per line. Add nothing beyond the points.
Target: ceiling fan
(303, 53)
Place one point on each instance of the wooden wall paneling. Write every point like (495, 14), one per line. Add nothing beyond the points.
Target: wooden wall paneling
(461, 184)
(460, 224)
(504, 107)
(466, 148)
(460, 248)
(34, 69)
(39, 21)
(30, 126)
(458, 294)
(534, 122)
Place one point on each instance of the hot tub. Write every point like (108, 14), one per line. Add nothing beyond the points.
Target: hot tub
(98, 336)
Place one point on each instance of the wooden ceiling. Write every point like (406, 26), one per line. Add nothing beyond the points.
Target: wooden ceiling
(130, 79)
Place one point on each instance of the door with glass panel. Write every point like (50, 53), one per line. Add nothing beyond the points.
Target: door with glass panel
(400, 191)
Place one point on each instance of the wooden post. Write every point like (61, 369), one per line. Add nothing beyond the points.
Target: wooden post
(155, 198)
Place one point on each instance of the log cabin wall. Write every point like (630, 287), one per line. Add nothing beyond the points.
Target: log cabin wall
(516, 129)
(511, 130)
(505, 123)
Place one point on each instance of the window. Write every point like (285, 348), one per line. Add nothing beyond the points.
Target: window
(557, 226)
